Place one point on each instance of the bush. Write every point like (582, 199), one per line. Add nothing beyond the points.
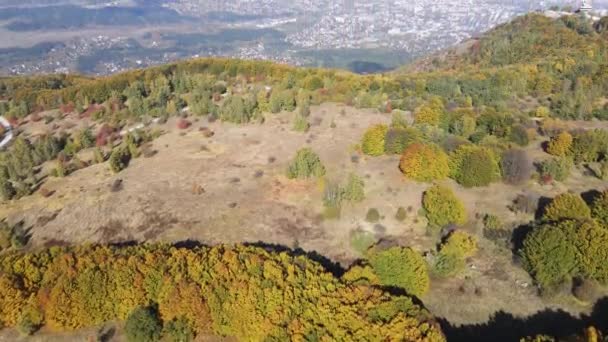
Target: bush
(119, 159)
(560, 145)
(333, 196)
(525, 203)
(183, 124)
(178, 330)
(401, 214)
(424, 163)
(516, 166)
(567, 206)
(599, 208)
(401, 267)
(372, 216)
(447, 265)
(590, 146)
(354, 191)
(398, 119)
(373, 140)
(301, 124)
(399, 138)
(474, 166)
(556, 169)
(443, 207)
(361, 241)
(30, 322)
(7, 191)
(143, 325)
(305, 165)
(587, 290)
(519, 135)
(459, 243)
(494, 230)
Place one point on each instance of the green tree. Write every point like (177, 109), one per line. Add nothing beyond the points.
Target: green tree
(119, 159)
(401, 267)
(567, 206)
(143, 325)
(549, 256)
(599, 208)
(474, 166)
(443, 207)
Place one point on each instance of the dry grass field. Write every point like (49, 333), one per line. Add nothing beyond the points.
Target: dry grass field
(232, 187)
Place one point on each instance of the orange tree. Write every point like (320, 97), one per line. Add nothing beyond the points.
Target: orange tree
(424, 163)
(243, 292)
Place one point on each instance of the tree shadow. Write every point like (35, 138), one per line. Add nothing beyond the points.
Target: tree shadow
(333, 267)
(189, 244)
(519, 235)
(543, 202)
(590, 196)
(505, 327)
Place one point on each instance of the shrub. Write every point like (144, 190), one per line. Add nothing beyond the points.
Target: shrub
(332, 195)
(143, 325)
(354, 191)
(373, 140)
(556, 169)
(401, 267)
(459, 243)
(30, 322)
(398, 119)
(300, 124)
(590, 146)
(178, 330)
(599, 208)
(98, 156)
(305, 165)
(474, 166)
(183, 124)
(519, 135)
(372, 216)
(7, 191)
(560, 145)
(525, 203)
(119, 159)
(361, 241)
(542, 112)
(401, 214)
(237, 110)
(491, 222)
(424, 163)
(567, 206)
(443, 207)
(447, 265)
(494, 230)
(516, 166)
(399, 138)
(587, 290)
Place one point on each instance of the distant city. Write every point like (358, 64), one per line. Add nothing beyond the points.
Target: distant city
(363, 36)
